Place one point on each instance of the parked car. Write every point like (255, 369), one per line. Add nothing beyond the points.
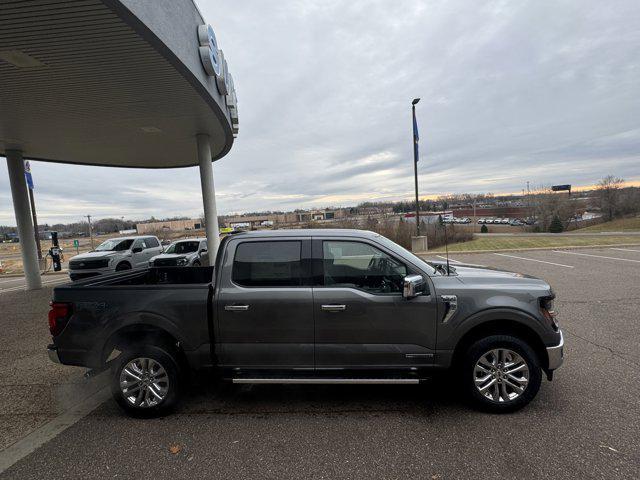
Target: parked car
(481, 220)
(115, 255)
(505, 221)
(310, 306)
(191, 252)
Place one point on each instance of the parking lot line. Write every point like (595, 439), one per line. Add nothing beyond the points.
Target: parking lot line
(51, 429)
(597, 256)
(625, 249)
(534, 260)
(459, 262)
(22, 287)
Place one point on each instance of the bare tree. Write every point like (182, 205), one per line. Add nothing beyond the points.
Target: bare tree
(609, 190)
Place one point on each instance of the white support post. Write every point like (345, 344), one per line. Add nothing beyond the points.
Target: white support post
(15, 165)
(208, 194)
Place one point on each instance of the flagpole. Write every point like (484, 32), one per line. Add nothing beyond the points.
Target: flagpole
(415, 162)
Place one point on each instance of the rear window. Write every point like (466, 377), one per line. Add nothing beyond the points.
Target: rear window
(267, 264)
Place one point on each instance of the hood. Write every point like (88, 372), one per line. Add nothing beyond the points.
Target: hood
(476, 275)
(93, 255)
(171, 256)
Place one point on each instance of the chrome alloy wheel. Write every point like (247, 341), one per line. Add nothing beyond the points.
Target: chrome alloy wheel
(144, 382)
(501, 375)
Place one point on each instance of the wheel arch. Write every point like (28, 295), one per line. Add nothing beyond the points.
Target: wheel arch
(141, 333)
(501, 327)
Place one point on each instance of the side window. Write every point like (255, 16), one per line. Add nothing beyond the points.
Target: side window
(139, 243)
(151, 242)
(268, 264)
(359, 265)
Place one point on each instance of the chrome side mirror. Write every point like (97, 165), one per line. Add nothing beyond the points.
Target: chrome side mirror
(412, 286)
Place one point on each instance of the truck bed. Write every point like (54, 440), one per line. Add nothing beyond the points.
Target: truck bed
(174, 299)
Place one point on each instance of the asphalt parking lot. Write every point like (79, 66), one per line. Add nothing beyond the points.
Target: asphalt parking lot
(584, 424)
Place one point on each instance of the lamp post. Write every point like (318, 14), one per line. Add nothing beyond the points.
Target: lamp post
(415, 161)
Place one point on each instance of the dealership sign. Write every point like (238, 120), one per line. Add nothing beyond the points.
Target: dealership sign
(215, 65)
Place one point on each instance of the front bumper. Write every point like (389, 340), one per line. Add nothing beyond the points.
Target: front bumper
(556, 354)
(52, 350)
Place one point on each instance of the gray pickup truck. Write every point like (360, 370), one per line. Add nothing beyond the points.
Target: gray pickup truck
(310, 306)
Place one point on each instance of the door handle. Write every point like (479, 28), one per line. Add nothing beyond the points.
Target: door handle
(334, 308)
(236, 308)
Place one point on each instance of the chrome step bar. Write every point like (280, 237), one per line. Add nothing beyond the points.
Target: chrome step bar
(332, 381)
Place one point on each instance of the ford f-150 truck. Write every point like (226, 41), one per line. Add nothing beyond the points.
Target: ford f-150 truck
(310, 306)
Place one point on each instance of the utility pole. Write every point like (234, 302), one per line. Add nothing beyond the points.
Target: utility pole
(90, 232)
(474, 215)
(415, 161)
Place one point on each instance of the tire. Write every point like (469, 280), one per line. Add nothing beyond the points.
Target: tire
(196, 263)
(123, 266)
(505, 389)
(147, 362)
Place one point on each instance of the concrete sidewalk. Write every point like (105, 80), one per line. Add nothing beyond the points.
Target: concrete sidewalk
(33, 390)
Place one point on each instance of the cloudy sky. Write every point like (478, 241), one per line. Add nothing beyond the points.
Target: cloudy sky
(515, 90)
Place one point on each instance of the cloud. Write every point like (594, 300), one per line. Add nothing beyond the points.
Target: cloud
(545, 92)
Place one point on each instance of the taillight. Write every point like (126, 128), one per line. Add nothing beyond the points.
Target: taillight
(58, 317)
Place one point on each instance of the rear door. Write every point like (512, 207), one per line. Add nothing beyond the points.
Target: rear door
(265, 304)
(361, 317)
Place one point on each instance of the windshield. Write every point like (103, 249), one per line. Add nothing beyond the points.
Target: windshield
(394, 246)
(183, 247)
(114, 245)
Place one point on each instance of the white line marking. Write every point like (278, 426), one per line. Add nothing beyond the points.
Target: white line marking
(21, 287)
(597, 256)
(50, 430)
(534, 260)
(625, 249)
(14, 279)
(458, 261)
(451, 259)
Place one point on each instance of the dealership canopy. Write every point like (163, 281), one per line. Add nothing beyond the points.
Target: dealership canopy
(112, 82)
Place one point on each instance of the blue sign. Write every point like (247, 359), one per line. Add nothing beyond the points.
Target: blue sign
(27, 174)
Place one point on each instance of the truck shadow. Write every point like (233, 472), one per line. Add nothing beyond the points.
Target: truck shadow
(208, 397)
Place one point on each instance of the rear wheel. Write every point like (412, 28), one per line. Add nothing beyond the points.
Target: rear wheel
(501, 373)
(145, 381)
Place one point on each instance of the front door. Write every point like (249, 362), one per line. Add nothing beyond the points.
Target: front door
(362, 319)
(265, 304)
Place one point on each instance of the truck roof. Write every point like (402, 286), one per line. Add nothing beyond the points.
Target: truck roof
(309, 232)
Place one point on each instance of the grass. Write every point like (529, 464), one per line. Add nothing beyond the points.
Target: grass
(507, 243)
(617, 225)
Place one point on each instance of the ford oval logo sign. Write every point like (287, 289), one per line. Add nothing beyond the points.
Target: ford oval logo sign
(212, 57)
(215, 66)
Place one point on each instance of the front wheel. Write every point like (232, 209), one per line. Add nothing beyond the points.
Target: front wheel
(145, 381)
(501, 373)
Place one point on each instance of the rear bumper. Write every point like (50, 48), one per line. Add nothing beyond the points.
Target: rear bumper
(52, 350)
(555, 354)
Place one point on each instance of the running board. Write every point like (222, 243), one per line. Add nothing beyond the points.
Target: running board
(333, 381)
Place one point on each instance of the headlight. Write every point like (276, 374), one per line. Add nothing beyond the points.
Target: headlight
(182, 262)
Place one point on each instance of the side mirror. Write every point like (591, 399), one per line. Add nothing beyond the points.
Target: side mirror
(204, 250)
(136, 250)
(412, 286)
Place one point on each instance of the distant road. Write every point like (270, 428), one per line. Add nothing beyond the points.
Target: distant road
(18, 283)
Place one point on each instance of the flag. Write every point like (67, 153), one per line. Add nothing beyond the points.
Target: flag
(416, 138)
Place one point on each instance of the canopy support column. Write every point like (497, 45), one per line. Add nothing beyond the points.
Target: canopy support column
(15, 165)
(208, 194)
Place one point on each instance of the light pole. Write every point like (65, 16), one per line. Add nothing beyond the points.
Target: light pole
(415, 161)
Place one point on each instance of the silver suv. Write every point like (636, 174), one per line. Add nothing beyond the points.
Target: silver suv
(191, 252)
(115, 255)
